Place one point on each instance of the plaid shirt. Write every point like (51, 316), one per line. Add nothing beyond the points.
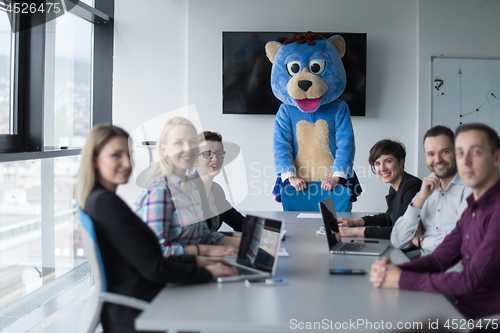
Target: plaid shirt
(174, 213)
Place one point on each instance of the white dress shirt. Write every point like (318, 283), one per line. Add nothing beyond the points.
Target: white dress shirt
(439, 215)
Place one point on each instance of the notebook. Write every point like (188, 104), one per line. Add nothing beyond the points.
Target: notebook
(327, 209)
(258, 253)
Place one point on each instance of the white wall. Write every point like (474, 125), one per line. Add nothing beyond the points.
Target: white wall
(391, 79)
(170, 56)
(452, 28)
(150, 66)
(155, 48)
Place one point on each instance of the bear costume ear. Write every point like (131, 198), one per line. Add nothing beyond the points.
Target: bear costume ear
(271, 50)
(339, 44)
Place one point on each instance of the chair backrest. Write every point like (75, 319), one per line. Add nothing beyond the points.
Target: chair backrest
(307, 200)
(92, 313)
(93, 251)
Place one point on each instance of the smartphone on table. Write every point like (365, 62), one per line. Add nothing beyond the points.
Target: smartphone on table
(342, 271)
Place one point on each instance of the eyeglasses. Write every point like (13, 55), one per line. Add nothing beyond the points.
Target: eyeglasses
(209, 154)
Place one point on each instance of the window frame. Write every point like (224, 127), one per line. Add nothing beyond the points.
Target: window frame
(28, 79)
(28, 101)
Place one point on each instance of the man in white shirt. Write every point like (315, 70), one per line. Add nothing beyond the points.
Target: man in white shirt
(438, 206)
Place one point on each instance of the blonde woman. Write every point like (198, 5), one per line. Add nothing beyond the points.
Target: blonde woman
(132, 258)
(171, 205)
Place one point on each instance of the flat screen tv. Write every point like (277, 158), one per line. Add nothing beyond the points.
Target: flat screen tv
(247, 70)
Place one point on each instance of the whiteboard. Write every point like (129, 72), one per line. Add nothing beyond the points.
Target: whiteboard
(465, 91)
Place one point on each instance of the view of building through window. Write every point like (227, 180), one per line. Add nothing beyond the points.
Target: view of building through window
(68, 75)
(39, 234)
(22, 192)
(5, 80)
(46, 114)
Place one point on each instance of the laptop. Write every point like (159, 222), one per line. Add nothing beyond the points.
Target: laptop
(327, 208)
(258, 253)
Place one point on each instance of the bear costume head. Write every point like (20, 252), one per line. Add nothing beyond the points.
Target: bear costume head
(307, 70)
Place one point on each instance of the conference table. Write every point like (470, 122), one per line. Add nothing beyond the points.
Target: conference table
(311, 300)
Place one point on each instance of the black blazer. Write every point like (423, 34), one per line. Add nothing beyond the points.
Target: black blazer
(132, 258)
(397, 202)
(228, 213)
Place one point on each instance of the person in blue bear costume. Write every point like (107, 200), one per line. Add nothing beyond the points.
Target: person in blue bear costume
(313, 134)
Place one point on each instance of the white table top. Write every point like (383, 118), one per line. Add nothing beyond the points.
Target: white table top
(310, 297)
(291, 217)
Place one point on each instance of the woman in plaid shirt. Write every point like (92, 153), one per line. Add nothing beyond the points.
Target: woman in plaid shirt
(171, 205)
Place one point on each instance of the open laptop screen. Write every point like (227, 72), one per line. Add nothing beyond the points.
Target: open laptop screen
(259, 243)
(328, 215)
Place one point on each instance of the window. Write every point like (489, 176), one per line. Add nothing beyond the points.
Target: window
(6, 110)
(88, 2)
(54, 74)
(32, 206)
(68, 82)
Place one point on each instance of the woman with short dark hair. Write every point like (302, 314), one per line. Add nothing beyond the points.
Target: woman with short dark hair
(216, 209)
(387, 160)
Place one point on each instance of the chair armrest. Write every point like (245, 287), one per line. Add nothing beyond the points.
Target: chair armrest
(131, 302)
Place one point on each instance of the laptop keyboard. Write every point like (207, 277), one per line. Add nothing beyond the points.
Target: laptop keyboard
(350, 247)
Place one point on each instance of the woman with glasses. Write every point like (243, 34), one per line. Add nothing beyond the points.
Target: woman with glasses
(171, 204)
(216, 209)
(131, 255)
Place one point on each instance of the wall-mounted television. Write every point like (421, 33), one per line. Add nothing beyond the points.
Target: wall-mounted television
(247, 71)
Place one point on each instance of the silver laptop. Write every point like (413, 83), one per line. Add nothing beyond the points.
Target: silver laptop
(258, 253)
(327, 209)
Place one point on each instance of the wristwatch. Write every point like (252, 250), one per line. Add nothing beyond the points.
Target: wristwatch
(420, 239)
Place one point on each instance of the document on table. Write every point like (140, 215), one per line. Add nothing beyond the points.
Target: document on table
(283, 253)
(309, 216)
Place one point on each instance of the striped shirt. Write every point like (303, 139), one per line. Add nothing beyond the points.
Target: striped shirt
(172, 209)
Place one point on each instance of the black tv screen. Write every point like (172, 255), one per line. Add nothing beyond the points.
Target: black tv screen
(246, 78)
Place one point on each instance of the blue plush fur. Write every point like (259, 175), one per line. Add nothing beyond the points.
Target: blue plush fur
(334, 74)
(313, 135)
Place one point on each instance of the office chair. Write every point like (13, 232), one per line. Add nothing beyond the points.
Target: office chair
(307, 200)
(92, 313)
